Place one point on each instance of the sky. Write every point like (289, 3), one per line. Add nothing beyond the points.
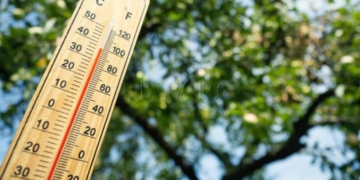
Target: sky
(295, 167)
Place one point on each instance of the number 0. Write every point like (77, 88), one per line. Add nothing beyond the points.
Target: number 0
(81, 154)
(51, 102)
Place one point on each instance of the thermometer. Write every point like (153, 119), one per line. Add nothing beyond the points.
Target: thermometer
(62, 130)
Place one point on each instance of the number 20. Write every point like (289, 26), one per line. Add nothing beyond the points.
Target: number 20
(72, 177)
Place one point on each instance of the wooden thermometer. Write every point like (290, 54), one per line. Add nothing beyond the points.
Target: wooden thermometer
(62, 130)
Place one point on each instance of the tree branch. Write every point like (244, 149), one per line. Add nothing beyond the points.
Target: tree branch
(291, 146)
(156, 135)
(223, 157)
(340, 122)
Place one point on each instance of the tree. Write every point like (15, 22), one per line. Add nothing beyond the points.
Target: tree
(264, 72)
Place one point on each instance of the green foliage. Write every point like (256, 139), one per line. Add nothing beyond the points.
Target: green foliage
(276, 60)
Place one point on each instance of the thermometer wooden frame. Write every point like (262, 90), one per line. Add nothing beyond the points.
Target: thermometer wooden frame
(62, 130)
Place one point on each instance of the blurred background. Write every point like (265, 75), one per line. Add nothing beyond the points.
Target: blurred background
(216, 89)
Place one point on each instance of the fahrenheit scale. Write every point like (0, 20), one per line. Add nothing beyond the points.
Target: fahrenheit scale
(62, 130)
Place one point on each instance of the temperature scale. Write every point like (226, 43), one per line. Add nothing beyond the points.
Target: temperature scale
(62, 130)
